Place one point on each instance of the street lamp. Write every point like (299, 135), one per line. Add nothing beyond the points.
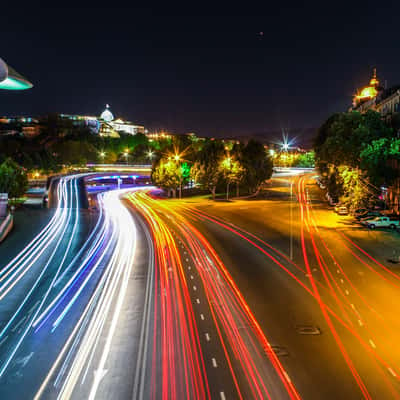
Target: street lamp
(150, 154)
(102, 154)
(126, 154)
(228, 164)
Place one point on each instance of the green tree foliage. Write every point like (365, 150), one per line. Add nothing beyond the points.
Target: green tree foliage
(354, 184)
(206, 170)
(306, 160)
(351, 150)
(256, 166)
(75, 152)
(343, 136)
(13, 179)
(170, 175)
(379, 159)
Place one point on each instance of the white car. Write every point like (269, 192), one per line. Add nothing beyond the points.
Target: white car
(382, 222)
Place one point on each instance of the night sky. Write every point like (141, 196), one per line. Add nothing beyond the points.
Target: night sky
(206, 68)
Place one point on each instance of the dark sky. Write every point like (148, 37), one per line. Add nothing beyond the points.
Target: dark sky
(200, 67)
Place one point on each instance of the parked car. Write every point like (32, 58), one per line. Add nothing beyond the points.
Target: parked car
(382, 222)
(360, 211)
(342, 210)
(333, 201)
(368, 214)
(337, 206)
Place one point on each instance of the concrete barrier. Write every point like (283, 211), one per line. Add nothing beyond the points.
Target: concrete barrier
(6, 226)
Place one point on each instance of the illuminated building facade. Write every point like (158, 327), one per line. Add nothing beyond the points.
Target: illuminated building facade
(375, 97)
(11, 79)
(112, 127)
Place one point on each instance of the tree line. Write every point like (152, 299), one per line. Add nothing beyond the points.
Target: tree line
(357, 154)
(213, 165)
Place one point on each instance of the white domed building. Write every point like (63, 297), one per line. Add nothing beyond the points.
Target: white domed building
(113, 127)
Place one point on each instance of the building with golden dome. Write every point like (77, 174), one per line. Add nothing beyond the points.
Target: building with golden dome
(364, 99)
(375, 97)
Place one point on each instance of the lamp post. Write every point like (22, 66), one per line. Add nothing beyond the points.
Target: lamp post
(126, 154)
(177, 158)
(102, 154)
(229, 165)
(291, 221)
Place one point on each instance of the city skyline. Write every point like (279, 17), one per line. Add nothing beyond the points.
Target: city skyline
(226, 72)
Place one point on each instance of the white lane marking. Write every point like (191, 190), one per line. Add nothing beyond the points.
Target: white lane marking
(214, 362)
(194, 288)
(360, 322)
(198, 301)
(391, 371)
(207, 337)
(352, 306)
(189, 267)
(202, 316)
(222, 394)
(372, 343)
(191, 277)
(338, 271)
(342, 280)
(187, 260)
(347, 292)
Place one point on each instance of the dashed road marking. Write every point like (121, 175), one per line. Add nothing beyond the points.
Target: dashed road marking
(338, 271)
(189, 267)
(191, 277)
(360, 322)
(198, 301)
(391, 371)
(372, 344)
(347, 292)
(222, 394)
(214, 362)
(194, 288)
(342, 280)
(207, 337)
(202, 316)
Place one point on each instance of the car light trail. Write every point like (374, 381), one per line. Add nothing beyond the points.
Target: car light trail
(228, 307)
(196, 214)
(105, 304)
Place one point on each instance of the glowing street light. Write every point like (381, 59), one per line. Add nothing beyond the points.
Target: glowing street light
(102, 154)
(150, 154)
(126, 155)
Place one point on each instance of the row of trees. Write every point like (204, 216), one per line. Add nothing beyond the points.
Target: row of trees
(213, 165)
(49, 153)
(357, 154)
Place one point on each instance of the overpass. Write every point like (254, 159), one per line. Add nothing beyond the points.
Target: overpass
(129, 169)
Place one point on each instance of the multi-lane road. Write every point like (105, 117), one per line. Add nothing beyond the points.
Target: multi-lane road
(147, 298)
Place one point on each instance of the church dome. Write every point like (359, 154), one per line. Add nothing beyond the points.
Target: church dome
(107, 115)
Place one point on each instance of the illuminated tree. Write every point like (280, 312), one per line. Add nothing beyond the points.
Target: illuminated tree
(170, 175)
(232, 172)
(206, 170)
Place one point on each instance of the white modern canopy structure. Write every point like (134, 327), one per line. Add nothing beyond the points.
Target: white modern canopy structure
(11, 79)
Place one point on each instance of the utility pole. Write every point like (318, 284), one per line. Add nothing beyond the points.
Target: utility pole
(291, 220)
